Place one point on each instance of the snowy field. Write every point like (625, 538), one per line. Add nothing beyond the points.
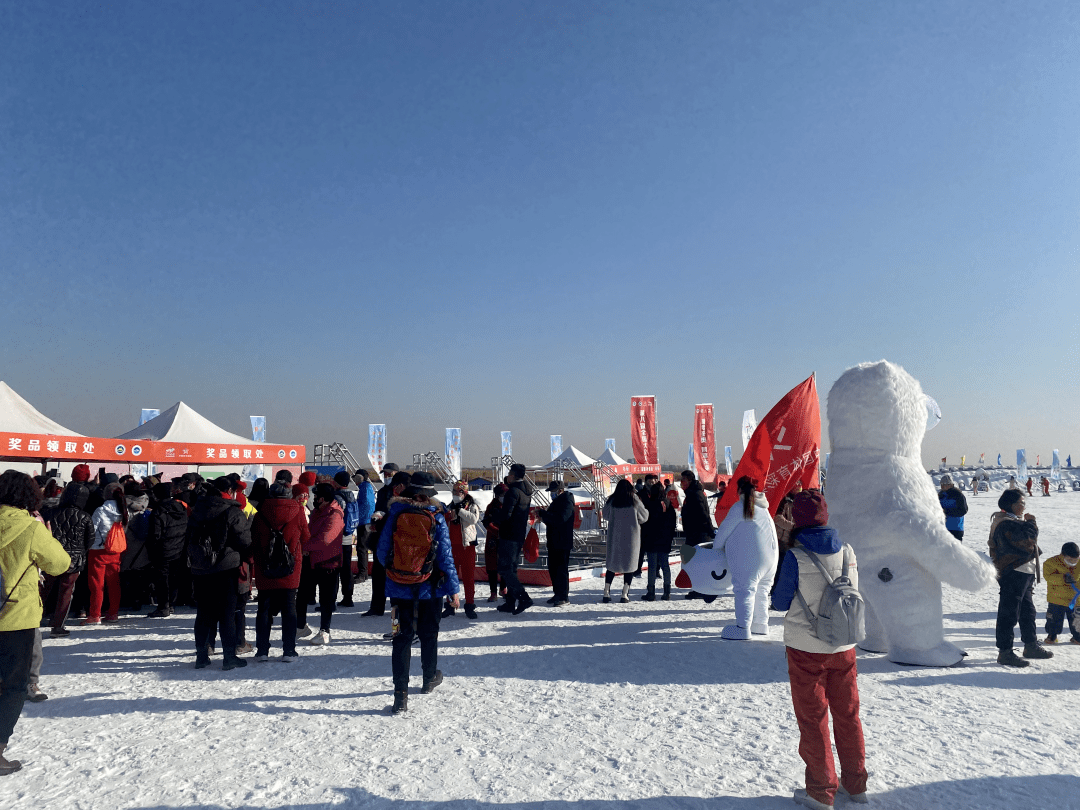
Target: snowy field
(586, 707)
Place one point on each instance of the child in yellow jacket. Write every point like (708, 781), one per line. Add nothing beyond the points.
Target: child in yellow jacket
(1062, 593)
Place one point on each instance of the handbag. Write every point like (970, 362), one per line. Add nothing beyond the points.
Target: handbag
(532, 546)
(116, 539)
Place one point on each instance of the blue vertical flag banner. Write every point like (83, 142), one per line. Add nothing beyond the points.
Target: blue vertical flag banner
(453, 452)
(729, 464)
(690, 457)
(1068, 461)
(147, 415)
(1021, 466)
(999, 459)
(258, 428)
(507, 443)
(1055, 468)
(556, 447)
(609, 444)
(376, 447)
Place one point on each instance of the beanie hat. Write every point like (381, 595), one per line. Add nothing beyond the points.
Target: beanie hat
(1070, 550)
(162, 492)
(307, 478)
(111, 478)
(342, 479)
(808, 508)
(81, 473)
(946, 479)
(300, 489)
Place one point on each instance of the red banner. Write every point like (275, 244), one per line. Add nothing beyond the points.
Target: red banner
(643, 429)
(787, 449)
(704, 443)
(138, 451)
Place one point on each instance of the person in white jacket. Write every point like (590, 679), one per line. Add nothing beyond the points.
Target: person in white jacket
(747, 536)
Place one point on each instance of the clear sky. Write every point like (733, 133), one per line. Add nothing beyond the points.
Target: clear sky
(514, 216)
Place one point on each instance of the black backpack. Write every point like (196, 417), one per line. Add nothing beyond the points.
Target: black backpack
(208, 543)
(280, 561)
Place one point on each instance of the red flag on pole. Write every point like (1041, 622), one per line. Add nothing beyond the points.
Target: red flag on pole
(643, 429)
(787, 450)
(704, 443)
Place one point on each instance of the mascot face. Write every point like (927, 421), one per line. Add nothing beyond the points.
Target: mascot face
(877, 407)
(704, 570)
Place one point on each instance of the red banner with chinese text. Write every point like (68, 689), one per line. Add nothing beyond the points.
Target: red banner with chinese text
(704, 443)
(643, 430)
(137, 451)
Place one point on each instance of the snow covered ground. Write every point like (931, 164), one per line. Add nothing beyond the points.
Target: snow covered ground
(587, 707)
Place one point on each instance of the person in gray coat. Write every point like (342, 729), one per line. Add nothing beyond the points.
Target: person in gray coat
(624, 513)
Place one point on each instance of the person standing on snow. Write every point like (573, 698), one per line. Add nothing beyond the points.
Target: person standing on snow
(1014, 548)
(513, 527)
(747, 536)
(26, 547)
(398, 481)
(418, 606)
(491, 540)
(278, 512)
(559, 524)
(624, 514)
(165, 545)
(1062, 593)
(954, 504)
(322, 560)
(365, 500)
(350, 508)
(461, 516)
(823, 677)
(696, 522)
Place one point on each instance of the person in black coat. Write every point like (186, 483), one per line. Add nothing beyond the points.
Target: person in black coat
(218, 537)
(559, 521)
(513, 527)
(74, 529)
(696, 523)
(657, 534)
(165, 545)
(399, 480)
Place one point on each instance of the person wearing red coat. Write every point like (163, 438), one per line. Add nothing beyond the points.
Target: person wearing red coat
(322, 559)
(282, 512)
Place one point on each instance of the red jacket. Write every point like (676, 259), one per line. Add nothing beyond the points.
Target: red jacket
(285, 514)
(327, 527)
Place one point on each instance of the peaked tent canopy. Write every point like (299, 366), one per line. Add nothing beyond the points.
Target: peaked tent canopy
(19, 416)
(611, 458)
(571, 453)
(182, 424)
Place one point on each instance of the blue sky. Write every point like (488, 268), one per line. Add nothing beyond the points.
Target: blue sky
(500, 215)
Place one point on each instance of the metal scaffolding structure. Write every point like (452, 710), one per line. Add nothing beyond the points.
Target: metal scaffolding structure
(334, 454)
(433, 462)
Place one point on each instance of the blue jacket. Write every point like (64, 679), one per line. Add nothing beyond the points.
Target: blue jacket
(365, 499)
(349, 508)
(444, 558)
(955, 506)
(820, 540)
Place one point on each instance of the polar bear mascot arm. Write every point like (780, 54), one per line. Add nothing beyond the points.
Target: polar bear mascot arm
(732, 520)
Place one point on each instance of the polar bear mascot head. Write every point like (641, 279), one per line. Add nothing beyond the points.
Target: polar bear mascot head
(883, 503)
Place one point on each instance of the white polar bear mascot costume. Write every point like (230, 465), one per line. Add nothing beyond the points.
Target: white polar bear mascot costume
(883, 503)
(752, 552)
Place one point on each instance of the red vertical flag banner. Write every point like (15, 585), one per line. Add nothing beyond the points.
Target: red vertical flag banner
(704, 443)
(643, 429)
(787, 451)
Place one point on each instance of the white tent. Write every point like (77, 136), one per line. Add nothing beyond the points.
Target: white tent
(19, 416)
(182, 424)
(610, 458)
(571, 453)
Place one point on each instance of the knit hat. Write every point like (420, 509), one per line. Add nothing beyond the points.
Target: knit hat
(81, 473)
(946, 479)
(111, 478)
(307, 478)
(808, 508)
(300, 489)
(342, 479)
(162, 492)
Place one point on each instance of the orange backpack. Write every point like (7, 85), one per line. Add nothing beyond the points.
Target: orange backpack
(411, 560)
(116, 539)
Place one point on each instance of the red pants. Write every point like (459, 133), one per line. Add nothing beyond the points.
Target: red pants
(822, 683)
(103, 570)
(465, 561)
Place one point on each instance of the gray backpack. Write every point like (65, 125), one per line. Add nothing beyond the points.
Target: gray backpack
(839, 620)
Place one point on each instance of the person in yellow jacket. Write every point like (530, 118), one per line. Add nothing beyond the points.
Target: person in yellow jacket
(26, 547)
(1062, 592)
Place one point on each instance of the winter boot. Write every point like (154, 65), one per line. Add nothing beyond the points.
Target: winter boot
(34, 694)
(625, 593)
(470, 610)
(857, 798)
(448, 610)
(524, 603)
(7, 765)
(429, 685)
(507, 606)
(161, 613)
(667, 593)
(1009, 658)
(649, 595)
(1036, 650)
(735, 633)
(233, 662)
(806, 800)
(202, 658)
(607, 592)
(401, 702)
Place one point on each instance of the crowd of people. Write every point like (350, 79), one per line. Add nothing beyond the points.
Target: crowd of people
(209, 545)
